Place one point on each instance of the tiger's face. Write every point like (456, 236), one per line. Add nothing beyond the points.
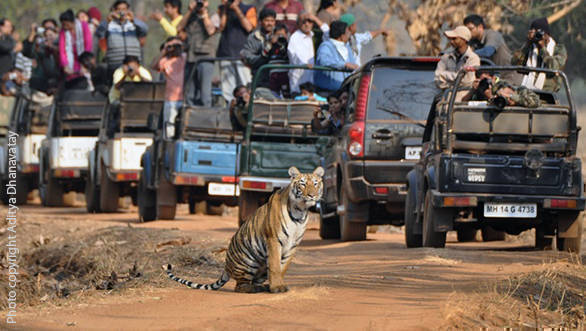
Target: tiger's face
(306, 189)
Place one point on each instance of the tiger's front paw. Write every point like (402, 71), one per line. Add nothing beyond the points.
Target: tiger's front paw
(279, 288)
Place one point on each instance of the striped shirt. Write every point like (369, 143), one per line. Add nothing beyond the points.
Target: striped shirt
(288, 15)
(122, 39)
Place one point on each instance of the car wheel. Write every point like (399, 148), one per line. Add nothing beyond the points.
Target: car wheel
(248, 203)
(466, 234)
(166, 198)
(350, 228)
(109, 192)
(51, 192)
(573, 244)
(431, 215)
(215, 209)
(543, 240)
(412, 240)
(147, 207)
(329, 228)
(21, 189)
(490, 234)
(92, 195)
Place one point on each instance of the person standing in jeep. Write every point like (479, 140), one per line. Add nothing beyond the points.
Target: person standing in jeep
(461, 56)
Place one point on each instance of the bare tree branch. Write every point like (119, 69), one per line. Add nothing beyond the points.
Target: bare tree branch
(563, 12)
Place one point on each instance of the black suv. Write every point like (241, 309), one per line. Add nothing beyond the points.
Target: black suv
(367, 162)
(510, 168)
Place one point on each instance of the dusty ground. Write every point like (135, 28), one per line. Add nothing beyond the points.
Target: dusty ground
(376, 284)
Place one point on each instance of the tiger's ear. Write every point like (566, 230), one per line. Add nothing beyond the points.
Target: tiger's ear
(294, 172)
(319, 171)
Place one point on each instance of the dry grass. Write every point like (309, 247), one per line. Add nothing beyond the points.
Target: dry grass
(552, 297)
(109, 259)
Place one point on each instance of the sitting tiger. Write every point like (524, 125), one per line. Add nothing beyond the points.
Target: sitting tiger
(265, 244)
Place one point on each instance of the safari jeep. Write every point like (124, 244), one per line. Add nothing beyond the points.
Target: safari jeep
(114, 162)
(510, 168)
(198, 163)
(73, 129)
(367, 162)
(28, 120)
(278, 135)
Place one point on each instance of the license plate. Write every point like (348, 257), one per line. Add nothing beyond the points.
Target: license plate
(223, 189)
(412, 152)
(513, 210)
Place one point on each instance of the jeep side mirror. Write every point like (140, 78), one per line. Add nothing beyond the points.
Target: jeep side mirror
(153, 122)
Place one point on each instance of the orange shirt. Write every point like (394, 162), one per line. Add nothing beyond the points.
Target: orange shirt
(174, 70)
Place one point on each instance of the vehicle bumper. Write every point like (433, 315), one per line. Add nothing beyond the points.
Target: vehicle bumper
(189, 179)
(459, 200)
(262, 184)
(361, 189)
(70, 173)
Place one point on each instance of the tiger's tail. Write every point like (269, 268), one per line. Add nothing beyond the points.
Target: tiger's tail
(224, 278)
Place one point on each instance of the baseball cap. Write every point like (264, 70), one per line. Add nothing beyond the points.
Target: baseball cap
(349, 19)
(460, 31)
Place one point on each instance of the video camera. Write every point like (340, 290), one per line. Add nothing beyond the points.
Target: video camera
(538, 36)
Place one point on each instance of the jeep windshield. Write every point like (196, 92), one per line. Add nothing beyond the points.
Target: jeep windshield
(401, 94)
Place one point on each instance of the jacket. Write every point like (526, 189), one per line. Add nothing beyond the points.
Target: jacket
(328, 56)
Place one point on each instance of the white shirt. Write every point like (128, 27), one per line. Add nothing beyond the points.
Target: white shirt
(357, 40)
(301, 52)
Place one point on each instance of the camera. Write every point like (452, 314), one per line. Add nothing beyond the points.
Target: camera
(282, 41)
(538, 36)
(130, 70)
(499, 102)
(240, 102)
(230, 2)
(484, 84)
(40, 30)
(324, 112)
(121, 15)
(199, 4)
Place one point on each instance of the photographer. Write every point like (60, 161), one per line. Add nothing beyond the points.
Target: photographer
(237, 20)
(121, 35)
(329, 119)
(541, 51)
(265, 45)
(239, 108)
(130, 71)
(171, 62)
(200, 28)
(41, 47)
(504, 94)
(481, 87)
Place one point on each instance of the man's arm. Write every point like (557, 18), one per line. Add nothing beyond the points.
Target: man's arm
(242, 17)
(442, 76)
(6, 44)
(254, 53)
(520, 56)
(183, 23)
(556, 61)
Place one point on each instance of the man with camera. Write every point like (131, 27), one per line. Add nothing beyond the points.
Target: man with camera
(237, 21)
(121, 35)
(42, 48)
(130, 71)
(171, 62)
(200, 28)
(267, 44)
(488, 87)
(329, 118)
(239, 107)
(461, 56)
(541, 51)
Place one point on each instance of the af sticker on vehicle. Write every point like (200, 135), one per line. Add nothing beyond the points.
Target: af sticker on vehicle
(477, 175)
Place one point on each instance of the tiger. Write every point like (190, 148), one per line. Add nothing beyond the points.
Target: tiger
(265, 244)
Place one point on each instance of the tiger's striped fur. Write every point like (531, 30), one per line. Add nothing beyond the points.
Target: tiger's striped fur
(265, 244)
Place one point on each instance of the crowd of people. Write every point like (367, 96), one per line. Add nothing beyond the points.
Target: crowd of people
(88, 50)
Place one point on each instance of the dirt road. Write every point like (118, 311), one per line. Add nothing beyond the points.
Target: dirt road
(375, 284)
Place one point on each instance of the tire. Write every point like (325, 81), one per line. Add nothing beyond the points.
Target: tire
(573, 245)
(109, 192)
(490, 234)
(349, 229)
(432, 238)
(166, 192)
(147, 204)
(191, 202)
(248, 203)
(543, 241)
(92, 195)
(412, 240)
(329, 228)
(22, 186)
(466, 234)
(51, 192)
(214, 209)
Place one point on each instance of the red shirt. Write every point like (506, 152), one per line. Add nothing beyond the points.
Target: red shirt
(288, 15)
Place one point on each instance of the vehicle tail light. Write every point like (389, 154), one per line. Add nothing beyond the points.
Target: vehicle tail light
(381, 190)
(66, 173)
(559, 203)
(30, 168)
(188, 180)
(127, 176)
(460, 201)
(356, 132)
(229, 179)
(254, 185)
